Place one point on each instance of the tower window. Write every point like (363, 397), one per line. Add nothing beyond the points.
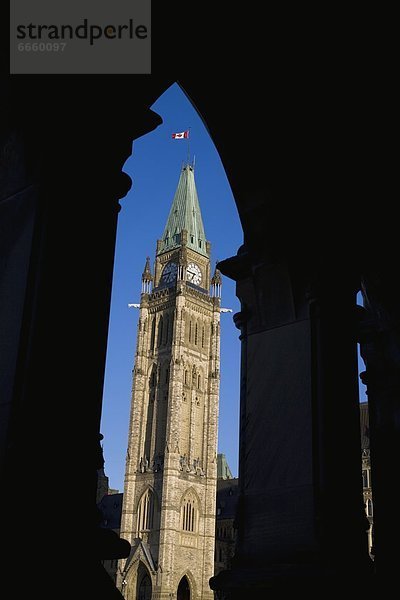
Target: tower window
(198, 381)
(202, 337)
(146, 512)
(160, 332)
(188, 514)
(195, 335)
(153, 334)
(192, 239)
(190, 331)
(199, 243)
(166, 329)
(186, 377)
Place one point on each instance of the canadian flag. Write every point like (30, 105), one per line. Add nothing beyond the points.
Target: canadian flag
(181, 135)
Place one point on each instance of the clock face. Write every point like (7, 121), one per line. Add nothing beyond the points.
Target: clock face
(193, 273)
(169, 273)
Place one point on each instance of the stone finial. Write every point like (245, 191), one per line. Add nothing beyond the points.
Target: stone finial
(216, 284)
(147, 277)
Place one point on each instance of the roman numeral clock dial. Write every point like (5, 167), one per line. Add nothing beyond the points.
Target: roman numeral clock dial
(193, 273)
(169, 273)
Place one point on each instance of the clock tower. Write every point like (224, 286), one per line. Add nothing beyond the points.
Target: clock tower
(168, 512)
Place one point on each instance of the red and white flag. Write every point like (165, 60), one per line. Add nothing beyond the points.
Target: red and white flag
(181, 135)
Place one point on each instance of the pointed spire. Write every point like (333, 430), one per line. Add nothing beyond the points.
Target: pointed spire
(147, 277)
(147, 269)
(185, 216)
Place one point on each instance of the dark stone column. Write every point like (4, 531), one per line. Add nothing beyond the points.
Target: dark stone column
(62, 183)
(300, 516)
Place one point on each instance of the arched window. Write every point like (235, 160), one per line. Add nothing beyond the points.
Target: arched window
(153, 376)
(153, 333)
(160, 331)
(188, 513)
(146, 512)
(166, 329)
(369, 508)
(202, 337)
(198, 381)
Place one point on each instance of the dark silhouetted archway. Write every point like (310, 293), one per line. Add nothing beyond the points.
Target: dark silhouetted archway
(183, 589)
(144, 590)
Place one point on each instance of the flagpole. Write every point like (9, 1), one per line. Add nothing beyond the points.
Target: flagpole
(188, 146)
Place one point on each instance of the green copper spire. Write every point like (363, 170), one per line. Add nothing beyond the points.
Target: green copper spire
(185, 215)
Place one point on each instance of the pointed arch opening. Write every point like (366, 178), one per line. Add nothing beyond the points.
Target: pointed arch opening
(145, 514)
(189, 512)
(183, 592)
(144, 585)
(153, 334)
(139, 217)
(160, 331)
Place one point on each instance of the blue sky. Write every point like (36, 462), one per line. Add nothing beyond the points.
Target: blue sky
(154, 167)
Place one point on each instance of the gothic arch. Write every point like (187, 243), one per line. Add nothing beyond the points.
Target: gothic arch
(203, 339)
(167, 327)
(189, 329)
(188, 374)
(152, 375)
(147, 509)
(193, 376)
(191, 491)
(160, 331)
(144, 584)
(165, 372)
(152, 490)
(153, 333)
(191, 581)
(200, 379)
